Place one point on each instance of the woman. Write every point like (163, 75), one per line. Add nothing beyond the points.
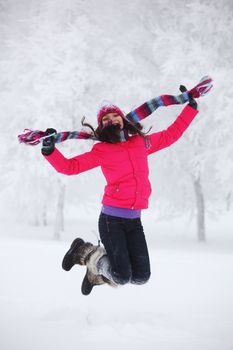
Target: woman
(122, 154)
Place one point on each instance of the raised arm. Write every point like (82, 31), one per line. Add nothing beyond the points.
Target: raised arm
(75, 165)
(167, 137)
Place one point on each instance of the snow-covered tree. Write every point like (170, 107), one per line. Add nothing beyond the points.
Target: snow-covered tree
(59, 60)
(189, 42)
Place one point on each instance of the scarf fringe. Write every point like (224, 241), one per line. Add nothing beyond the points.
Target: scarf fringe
(34, 137)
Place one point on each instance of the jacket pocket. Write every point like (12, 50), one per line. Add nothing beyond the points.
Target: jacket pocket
(112, 190)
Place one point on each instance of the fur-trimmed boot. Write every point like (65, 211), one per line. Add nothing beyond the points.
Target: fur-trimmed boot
(90, 280)
(85, 253)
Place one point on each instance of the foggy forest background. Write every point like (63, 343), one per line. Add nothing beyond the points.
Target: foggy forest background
(59, 60)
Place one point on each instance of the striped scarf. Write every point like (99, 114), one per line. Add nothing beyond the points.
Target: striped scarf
(150, 106)
(33, 137)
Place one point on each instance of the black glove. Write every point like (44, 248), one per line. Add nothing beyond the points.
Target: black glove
(48, 144)
(192, 102)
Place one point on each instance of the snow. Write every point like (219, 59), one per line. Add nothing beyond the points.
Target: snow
(187, 304)
(59, 59)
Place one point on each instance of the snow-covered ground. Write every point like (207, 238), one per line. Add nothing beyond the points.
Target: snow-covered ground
(187, 304)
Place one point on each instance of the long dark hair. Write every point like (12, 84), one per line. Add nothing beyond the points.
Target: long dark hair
(107, 134)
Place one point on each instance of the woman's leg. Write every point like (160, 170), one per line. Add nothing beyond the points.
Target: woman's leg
(138, 252)
(112, 234)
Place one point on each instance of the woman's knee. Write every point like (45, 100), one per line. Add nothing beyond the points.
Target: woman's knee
(122, 278)
(140, 279)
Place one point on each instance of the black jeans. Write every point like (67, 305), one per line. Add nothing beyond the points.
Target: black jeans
(126, 247)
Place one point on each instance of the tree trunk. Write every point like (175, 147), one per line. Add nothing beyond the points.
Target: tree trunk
(200, 210)
(44, 216)
(229, 201)
(59, 220)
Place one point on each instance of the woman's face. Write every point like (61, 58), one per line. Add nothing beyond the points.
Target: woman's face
(114, 118)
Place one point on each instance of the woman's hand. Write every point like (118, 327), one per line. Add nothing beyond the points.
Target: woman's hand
(48, 143)
(192, 102)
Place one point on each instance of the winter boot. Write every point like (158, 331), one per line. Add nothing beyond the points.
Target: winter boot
(68, 260)
(90, 280)
(85, 253)
(80, 252)
(94, 275)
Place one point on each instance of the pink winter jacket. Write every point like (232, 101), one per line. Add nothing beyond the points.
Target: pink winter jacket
(124, 164)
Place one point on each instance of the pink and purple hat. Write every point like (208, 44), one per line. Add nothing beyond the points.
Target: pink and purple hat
(108, 109)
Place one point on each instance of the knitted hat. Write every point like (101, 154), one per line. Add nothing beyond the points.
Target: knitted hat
(108, 109)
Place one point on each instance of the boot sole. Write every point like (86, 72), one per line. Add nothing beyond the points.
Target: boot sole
(67, 262)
